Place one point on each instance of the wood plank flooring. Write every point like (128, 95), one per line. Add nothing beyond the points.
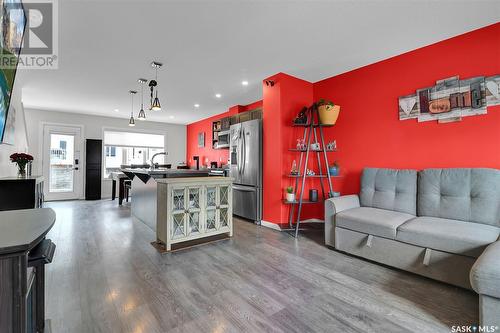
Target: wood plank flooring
(106, 277)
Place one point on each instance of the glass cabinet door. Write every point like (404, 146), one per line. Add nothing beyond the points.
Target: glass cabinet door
(193, 210)
(211, 208)
(178, 229)
(223, 217)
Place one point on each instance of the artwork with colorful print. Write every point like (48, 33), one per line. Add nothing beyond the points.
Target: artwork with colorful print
(451, 99)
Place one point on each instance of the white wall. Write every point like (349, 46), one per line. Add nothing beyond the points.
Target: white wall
(7, 168)
(175, 135)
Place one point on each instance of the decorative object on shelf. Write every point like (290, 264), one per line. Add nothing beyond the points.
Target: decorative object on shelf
(290, 196)
(153, 85)
(331, 146)
(328, 112)
(301, 118)
(315, 146)
(131, 121)
(295, 170)
(335, 169)
(142, 115)
(201, 139)
(301, 144)
(336, 194)
(451, 99)
(21, 159)
(310, 172)
(313, 195)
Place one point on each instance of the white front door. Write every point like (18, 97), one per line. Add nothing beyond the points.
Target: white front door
(62, 162)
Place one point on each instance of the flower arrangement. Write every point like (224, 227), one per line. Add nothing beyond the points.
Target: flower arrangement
(21, 159)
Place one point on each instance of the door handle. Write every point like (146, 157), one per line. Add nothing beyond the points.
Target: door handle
(76, 168)
(243, 188)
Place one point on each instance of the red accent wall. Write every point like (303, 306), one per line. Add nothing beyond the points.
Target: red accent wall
(205, 125)
(369, 133)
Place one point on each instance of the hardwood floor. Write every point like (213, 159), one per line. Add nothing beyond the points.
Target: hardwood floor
(106, 277)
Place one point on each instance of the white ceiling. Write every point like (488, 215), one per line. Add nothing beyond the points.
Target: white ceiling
(209, 47)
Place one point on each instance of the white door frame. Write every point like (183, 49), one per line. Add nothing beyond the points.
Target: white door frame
(45, 159)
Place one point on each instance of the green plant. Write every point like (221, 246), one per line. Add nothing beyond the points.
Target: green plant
(289, 189)
(322, 101)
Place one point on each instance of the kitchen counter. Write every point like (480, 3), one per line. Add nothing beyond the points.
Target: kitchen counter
(144, 189)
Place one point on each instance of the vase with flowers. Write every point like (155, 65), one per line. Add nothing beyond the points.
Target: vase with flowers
(21, 159)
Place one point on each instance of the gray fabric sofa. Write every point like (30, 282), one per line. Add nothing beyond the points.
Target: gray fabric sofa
(440, 223)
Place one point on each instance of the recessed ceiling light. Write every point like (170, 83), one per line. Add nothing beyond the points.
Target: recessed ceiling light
(117, 110)
(197, 105)
(218, 95)
(171, 117)
(245, 83)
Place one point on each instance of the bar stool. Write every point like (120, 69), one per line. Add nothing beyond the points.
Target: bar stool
(127, 184)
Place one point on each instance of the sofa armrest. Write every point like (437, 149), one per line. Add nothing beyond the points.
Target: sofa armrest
(334, 206)
(485, 273)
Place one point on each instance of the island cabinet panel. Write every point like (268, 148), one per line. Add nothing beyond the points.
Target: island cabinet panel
(193, 208)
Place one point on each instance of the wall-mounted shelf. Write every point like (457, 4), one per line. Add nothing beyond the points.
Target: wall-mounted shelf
(311, 125)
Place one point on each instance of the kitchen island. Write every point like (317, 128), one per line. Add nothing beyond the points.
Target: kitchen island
(144, 188)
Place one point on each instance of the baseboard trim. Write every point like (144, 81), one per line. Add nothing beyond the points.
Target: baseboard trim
(270, 225)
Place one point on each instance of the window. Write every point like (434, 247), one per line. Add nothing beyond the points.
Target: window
(122, 149)
(110, 151)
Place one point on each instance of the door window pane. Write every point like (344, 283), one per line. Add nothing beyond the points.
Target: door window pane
(62, 156)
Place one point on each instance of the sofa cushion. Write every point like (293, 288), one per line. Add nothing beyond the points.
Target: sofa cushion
(471, 195)
(372, 221)
(453, 236)
(389, 189)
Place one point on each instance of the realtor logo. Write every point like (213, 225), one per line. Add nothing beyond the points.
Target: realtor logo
(29, 34)
(38, 35)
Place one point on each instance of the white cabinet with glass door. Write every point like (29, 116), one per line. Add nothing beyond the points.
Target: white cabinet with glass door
(192, 208)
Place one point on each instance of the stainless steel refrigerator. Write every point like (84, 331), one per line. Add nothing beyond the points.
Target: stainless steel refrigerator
(245, 147)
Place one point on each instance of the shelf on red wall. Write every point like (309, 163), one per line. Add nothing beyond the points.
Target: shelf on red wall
(314, 176)
(314, 125)
(312, 151)
(296, 202)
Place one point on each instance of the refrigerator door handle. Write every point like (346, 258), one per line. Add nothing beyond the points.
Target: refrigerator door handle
(244, 150)
(244, 188)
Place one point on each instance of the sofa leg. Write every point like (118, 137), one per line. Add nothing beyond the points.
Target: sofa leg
(489, 311)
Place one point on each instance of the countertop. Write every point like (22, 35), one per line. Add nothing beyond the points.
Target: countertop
(196, 180)
(21, 229)
(167, 172)
(37, 179)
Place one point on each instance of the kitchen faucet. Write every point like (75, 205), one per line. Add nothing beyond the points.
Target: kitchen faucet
(153, 164)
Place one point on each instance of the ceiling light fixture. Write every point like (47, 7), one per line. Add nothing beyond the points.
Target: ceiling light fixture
(218, 95)
(244, 83)
(142, 114)
(117, 110)
(131, 122)
(197, 105)
(171, 117)
(155, 101)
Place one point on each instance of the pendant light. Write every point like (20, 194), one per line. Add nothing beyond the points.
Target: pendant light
(131, 122)
(155, 101)
(142, 114)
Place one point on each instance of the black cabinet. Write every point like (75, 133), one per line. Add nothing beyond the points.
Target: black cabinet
(93, 169)
(21, 193)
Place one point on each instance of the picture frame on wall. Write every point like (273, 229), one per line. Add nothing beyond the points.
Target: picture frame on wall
(201, 140)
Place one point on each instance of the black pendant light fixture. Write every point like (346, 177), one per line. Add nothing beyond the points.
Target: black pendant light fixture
(142, 114)
(155, 101)
(131, 122)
